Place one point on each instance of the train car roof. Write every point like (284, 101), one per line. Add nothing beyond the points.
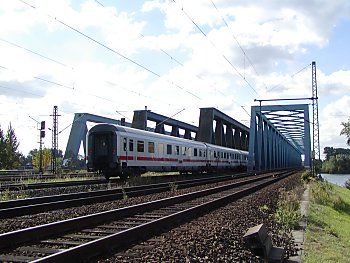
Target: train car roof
(113, 127)
(223, 148)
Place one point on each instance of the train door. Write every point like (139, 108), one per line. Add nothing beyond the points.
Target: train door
(125, 151)
(101, 149)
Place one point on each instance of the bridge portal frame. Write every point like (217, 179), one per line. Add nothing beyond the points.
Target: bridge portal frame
(79, 130)
(235, 136)
(273, 143)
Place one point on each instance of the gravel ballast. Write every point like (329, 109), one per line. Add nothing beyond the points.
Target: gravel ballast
(214, 237)
(217, 236)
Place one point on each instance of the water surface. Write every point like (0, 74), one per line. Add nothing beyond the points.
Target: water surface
(338, 179)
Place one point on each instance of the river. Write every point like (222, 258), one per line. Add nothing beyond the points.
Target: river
(338, 179)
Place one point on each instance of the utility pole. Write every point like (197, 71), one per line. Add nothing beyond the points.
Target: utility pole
(54, 141)
(42, 135)
(315, 127)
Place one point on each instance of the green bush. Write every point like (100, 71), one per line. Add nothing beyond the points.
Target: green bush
(288, 210)
(347, 184)
(306, 176)
(322, 192)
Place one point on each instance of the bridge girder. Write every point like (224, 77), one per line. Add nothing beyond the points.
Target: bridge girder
(279, 135)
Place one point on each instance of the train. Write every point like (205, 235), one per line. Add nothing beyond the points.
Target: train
(115, 150)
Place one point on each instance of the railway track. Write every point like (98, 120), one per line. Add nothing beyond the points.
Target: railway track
(45, 185)
(26, 206)
(83, 238)
(8, 177)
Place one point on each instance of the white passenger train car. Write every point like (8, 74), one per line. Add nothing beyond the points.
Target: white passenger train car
(122, 151)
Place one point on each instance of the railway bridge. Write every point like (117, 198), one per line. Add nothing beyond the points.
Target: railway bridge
(278, 137)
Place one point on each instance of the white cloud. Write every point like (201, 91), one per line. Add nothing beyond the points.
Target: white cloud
(331, 118)
(274, 36)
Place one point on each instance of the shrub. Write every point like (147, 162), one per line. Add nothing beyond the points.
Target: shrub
(322, 192)
(288, 210)
(347, 184)
(306, 176)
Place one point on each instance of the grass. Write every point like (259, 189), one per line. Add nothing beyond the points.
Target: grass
(328, 230)
(288, 210)
(53, 180)
(6, 195)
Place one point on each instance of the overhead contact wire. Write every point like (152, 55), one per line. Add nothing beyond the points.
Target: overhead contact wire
(211, 42)
(112, 50)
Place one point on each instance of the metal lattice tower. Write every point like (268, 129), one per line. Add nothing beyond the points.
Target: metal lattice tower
(316, 154)
(54, 141)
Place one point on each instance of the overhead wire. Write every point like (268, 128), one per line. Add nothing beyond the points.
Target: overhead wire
(246, 56)
(114, 51)
(42, 79)
(22, 91)
(291, 76)
(161, 49)
(65, 65)
(34, 52)
(238, 43)
(217, 49)
(196, 25)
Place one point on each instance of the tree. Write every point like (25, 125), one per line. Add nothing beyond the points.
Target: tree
(46, 158)
(328, 151)
(12, 156)
(346, 130)
(2, 149)
(338, 164)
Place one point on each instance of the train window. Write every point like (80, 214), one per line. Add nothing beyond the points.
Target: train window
(131, 145)
(177, 150)
(214, 154)
(160, 149)
(140, 146)
(168, 149)
(200, 153)
(195, 151)
(151, 147)
(189, 151)
(183, 150)
(124, 144)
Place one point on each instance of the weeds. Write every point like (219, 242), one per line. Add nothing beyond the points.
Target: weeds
(347, 184)
(264, 208)
(125, 195)
(306, 176)
(173, 186)
(8, 195)
(288, 210)
(322, 193)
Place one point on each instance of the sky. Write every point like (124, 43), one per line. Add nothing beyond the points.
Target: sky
(110, 58)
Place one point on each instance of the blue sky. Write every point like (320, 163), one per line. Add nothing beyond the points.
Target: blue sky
(169, 56)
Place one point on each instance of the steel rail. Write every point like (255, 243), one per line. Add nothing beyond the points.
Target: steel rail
(46, 185)
(47, 203)
(16, 238)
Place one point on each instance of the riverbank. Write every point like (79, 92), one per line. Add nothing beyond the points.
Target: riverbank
(328, 229)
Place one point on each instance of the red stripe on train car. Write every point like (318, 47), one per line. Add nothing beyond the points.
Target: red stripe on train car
(128, 158)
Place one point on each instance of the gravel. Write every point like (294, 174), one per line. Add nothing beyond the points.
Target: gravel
(217, 236)
(214, 237)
